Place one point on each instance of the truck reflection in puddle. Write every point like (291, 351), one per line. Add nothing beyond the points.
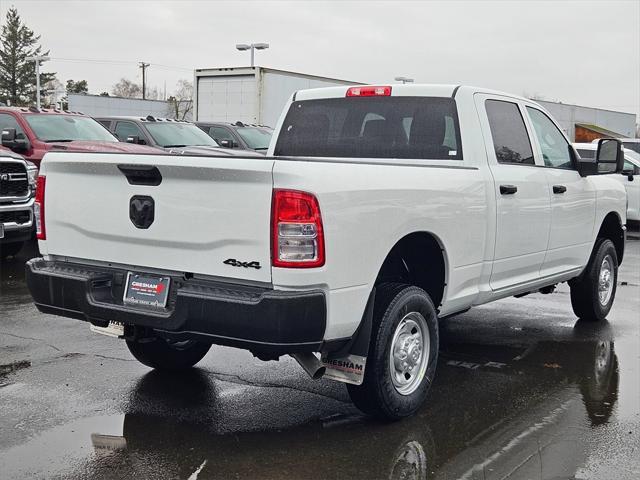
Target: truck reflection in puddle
(498, 410)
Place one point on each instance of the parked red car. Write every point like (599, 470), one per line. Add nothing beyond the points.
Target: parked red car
(32, 133)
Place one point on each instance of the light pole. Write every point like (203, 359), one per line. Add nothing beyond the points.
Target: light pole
(404, 79)
(252, 47)
(37, 59)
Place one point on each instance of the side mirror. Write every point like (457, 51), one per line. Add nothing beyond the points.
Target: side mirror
(135, 139)
(610, 156)
(227, 143)
(10, 140)
(609, 159)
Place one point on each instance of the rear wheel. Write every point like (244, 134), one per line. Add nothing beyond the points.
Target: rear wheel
(402, 355)
(592, 296)
(163, 354)
(10, 249)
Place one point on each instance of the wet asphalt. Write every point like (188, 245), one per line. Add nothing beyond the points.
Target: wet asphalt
(522, 391)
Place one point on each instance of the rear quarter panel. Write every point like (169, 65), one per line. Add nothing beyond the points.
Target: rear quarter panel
(367, 208)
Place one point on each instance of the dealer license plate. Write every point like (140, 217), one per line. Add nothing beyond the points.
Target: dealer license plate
(146, 290)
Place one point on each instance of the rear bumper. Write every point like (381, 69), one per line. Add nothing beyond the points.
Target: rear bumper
(254, 318)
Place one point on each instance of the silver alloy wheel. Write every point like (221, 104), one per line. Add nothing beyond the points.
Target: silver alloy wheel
(409, 354)
(602, 361)
(410, 462)
(605, 280)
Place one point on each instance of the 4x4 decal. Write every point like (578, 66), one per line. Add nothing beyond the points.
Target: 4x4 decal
(237, 263)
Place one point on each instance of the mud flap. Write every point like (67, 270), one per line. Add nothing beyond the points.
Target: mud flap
(347, 365)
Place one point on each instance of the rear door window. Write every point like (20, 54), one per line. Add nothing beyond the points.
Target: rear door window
(124, 130)
(372, 127)
(221, 133)
(510, 138)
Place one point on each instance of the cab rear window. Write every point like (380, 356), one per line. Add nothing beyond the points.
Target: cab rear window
(372, 127)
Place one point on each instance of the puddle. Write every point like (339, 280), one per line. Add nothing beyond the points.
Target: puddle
(13, 366)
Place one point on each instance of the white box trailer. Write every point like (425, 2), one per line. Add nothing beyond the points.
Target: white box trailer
(249, 94)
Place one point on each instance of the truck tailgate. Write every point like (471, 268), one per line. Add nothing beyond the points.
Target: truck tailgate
(207, 211)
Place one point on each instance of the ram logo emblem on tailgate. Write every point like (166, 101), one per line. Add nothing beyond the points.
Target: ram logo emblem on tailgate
(141, 211)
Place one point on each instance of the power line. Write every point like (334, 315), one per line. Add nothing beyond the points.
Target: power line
(117, 62)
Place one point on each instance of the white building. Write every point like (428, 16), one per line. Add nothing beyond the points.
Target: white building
(583, 124)
(249, 94)
(99, 106)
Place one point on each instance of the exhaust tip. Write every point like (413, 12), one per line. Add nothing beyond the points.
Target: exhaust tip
(310, 363)
(319, 373)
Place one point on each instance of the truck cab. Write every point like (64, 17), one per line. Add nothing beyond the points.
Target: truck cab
(32, 133)
(167, 134)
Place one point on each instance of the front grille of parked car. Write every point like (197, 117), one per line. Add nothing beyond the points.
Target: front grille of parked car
(14, 181)
(20, 217)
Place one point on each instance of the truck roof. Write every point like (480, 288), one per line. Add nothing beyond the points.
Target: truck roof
(43, 111)
(403, 90)
(148, 118)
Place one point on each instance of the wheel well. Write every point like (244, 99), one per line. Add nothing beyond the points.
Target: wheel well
(417, 259)
(611, 228)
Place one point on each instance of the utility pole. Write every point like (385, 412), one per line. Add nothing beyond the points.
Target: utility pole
(37, 59)
(144, 66)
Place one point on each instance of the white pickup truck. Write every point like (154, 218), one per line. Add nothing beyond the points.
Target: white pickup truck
(377, 211)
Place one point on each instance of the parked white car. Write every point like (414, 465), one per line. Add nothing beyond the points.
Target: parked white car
(377, 211)
(629, 177)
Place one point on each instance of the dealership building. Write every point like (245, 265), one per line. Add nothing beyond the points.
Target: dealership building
(584, 124)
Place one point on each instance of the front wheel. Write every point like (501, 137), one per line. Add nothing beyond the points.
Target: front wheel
(592, 296)
(402, 355)
(163, 354)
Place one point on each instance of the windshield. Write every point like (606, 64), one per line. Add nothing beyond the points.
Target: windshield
(374, 127)
(635, 146)
(66, 128)
(256, 138)
(179, 135)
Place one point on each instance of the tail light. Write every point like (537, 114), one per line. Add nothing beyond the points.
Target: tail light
(38, 208)
(369, 91)
(297, 236)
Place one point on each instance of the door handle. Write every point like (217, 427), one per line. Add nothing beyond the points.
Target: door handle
(508, 189)
(147, 175)
(559, 189)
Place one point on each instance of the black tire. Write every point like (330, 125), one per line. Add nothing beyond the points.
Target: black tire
(164, 355)
(378, 396)
(585, 298)
(10, 249)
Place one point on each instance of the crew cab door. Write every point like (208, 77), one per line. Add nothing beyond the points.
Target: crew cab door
(573, 198)
(521, 193)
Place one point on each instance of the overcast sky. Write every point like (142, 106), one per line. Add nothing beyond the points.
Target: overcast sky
(583, 52)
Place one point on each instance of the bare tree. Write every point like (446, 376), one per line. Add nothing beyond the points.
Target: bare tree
(126, 88)
(153, 93)
(181, 103)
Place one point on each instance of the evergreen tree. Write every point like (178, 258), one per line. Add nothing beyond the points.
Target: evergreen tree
(17, 75)
(80, 86)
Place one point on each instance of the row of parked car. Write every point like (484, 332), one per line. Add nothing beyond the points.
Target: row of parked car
(29, 133)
